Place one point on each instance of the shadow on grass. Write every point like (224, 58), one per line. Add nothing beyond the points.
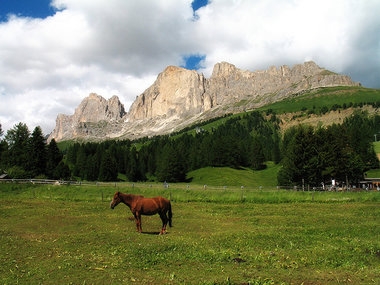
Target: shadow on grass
(153, 233)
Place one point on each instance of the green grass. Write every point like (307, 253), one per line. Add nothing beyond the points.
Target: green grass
(68, 235)
(325, 97)
(373, 173)
(225, 176)
(377, 146)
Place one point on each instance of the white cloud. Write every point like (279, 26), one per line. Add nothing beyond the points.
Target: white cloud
(118, 47)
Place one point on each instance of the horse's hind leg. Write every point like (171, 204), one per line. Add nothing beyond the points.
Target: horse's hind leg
(164, 220)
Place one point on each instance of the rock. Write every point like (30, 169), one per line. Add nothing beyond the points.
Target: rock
(94, 117)
(180, 97)
(176, 91)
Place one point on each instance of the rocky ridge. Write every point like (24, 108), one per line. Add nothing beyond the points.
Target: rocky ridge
(95, 117)
(180, 97)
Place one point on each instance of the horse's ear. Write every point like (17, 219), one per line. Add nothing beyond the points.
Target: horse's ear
(118, 193)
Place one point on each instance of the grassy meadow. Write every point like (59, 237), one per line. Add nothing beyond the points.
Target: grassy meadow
(69, 235)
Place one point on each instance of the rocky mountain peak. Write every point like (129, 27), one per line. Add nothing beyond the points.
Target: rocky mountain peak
(94, 111)
(95, 108)
(223, 69)
(180, 97)
(176, 91)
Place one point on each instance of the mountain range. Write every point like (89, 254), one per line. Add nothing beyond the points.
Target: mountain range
(180, 97)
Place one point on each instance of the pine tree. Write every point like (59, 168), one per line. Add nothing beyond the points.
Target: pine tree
(92, 169)
(171, 167)
(81, 163)
(37, 153)
(108, 168)
(54, 157)
(257, 154)
(17, 155)
(131, 165)
(62, 171)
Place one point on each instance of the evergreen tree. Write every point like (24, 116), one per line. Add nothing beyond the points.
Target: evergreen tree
(108, 168)
(17, 140)
(257, 154)
(62, 171)
(71, 156)
(81, 163)
(276, 153)
(361, 132)
(299, 163)
(92, 169)
(170, 167)
(131, 165)
(147, 160)
(37, 153)
(54, 157)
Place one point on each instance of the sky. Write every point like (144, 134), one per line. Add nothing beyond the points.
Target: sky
(54, 53)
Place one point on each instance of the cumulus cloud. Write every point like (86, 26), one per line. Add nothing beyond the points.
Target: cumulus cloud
(118, 47)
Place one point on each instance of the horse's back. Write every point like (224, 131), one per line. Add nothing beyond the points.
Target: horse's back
(150, 206)
(161, 199)
(163, 202)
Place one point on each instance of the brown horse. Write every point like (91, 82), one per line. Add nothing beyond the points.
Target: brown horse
(145, 206)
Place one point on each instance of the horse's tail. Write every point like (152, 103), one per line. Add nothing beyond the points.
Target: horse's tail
(170, 214)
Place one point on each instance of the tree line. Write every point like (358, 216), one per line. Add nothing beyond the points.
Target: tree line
(343, 152)
(27, 155)
(246, 141)
(308, 155)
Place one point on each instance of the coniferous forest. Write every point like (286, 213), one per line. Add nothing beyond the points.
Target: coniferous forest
(308, 155)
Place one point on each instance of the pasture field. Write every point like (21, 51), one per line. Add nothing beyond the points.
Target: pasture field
(69, 235)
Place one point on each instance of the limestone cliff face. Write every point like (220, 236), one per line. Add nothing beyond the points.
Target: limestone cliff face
(94, 117)
(180, 97)
(229, 84)
(177, 91)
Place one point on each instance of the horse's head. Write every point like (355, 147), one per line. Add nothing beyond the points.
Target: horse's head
(115, 200)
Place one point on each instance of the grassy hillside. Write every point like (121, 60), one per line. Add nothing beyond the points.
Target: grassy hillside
(318, 101)
(225, 176)
(329, 96)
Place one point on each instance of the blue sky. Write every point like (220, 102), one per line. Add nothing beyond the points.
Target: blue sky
(196, 4)
(43, 9)
(26, 8)
(53, 54)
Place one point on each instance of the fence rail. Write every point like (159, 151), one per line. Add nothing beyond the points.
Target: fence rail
(178, 185)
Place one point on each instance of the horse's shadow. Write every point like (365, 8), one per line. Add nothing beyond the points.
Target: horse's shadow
(150, 233)
(153, 233)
